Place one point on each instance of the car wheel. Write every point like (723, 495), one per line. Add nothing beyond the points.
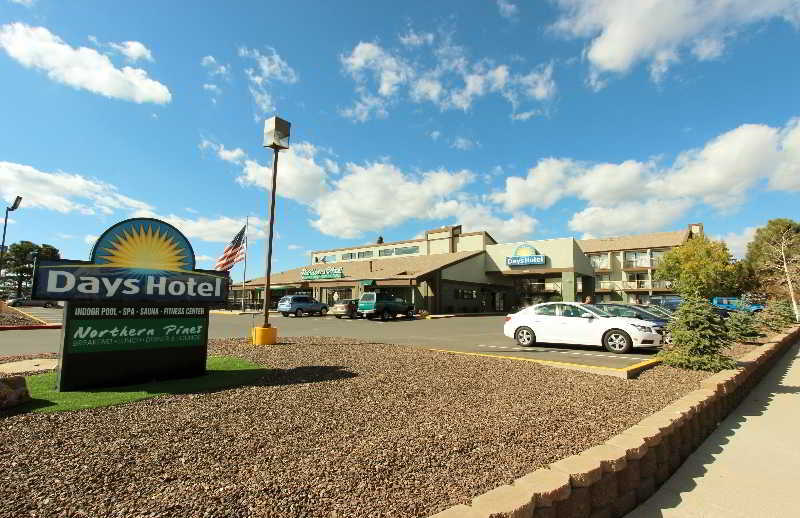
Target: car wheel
(410, 314)
(298, 313)
(284, 313)
(323, 312)
(338, 316)
(617, 341)
(385, 315)
(47, 305)
(525, 336)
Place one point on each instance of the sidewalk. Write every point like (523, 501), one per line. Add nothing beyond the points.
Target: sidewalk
(749, 465)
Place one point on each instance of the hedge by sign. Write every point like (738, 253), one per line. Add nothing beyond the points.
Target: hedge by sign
(331, 272)
(136, 311)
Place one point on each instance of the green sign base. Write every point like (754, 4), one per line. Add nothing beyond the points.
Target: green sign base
(112, 344)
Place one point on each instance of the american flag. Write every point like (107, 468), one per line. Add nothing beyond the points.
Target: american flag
(234, 252)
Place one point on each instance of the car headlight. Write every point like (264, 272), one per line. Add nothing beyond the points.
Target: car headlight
(643, 329)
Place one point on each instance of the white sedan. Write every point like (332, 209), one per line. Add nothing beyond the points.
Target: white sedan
(575, 323)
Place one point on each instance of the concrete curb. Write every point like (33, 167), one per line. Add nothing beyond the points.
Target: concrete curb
(611, 479)
(41, 326)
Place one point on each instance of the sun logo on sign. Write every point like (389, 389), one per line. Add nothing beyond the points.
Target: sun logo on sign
(524, 251)
(144, 248)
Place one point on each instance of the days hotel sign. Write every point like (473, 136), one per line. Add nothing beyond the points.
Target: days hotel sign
(526, 255)
(137, 311)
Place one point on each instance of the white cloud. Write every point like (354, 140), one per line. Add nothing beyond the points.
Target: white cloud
(435, 134)
(215, 68)
(270, 67)
(385, 76)
(415, 39)
(463, 143)
(220, 229)
(629, 217)
(378, 195)
(90, 239)
(624, 33)
(82, 68)
(214, 89)
(302, 173)
(133, 50)
(737, 241)
(523, 116)
(507, 9)
(477, 216)
(294, 247)
(204, 259)
(720, 174)
(26, 3)
(62, 192)
(61, 235)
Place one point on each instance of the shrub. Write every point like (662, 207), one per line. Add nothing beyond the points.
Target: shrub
(777, 315)
(742, 326)
(698, 338)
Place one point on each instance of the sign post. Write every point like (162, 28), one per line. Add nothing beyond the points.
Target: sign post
(138, 311)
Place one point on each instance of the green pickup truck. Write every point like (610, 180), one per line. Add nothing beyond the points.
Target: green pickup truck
(384, 306)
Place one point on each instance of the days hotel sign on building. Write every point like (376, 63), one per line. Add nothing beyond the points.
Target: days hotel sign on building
(526, 255)
(137, 311)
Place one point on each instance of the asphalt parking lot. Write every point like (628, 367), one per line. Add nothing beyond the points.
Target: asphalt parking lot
(463, 335)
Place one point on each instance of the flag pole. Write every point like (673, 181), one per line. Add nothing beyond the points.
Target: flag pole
(244, 273)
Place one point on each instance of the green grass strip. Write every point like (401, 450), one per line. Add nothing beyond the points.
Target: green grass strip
(223, 372)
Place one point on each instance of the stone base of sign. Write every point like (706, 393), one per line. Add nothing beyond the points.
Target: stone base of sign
(13, 392)
(611, 479)
(265, 335)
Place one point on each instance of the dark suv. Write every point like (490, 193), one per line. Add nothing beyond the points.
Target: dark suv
(301, 305)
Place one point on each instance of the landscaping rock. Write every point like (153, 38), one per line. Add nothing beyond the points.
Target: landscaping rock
(13, 392)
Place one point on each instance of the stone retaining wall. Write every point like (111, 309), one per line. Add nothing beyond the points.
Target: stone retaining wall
(611, 479)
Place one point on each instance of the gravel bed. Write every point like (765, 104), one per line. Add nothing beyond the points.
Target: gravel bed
(8, 358)
(12, 318)
(336, 428)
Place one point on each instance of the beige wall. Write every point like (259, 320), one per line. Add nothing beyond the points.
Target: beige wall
(470, 243)
(469, 270)
(582, 264)
(438, 245)
(559, 254)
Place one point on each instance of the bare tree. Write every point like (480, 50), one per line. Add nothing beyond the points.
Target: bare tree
(782, 262)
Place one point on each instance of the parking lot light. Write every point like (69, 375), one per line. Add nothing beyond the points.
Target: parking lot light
(14, 206)
(276, 136)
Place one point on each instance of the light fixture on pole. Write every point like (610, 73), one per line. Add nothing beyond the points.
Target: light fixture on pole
(14, 206)
(276, 136)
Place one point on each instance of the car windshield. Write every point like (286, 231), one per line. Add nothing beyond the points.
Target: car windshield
(649, 312)
(596, 310)
(368, 297)
(285, 299)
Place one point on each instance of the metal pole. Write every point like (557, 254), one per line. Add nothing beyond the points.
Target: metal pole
(267, 294)
(244, 273)
(3, 245)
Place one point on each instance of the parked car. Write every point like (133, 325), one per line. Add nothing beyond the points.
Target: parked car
(635, 311)
(384, 305)
(576, 323)
(345, 308)
(27, 301)
(735, 304)
(657, 310)
(300, 305)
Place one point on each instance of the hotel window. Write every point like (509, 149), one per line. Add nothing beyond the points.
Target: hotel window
(406, 250)
(466, 294)
(325, 259)
(364, 255)
(346, 257)
(386, 251)
(599, 261)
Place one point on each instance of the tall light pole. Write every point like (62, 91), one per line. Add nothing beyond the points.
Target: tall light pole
(14, 206)
(276, 136)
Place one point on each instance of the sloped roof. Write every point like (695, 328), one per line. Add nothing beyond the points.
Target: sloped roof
(408, 267)
(634, 242)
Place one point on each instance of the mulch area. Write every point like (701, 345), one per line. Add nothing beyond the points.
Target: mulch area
(13, 318)
(335, 428)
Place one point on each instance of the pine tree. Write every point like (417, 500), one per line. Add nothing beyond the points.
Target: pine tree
(742, 326)
(698, 338)
(777, 315)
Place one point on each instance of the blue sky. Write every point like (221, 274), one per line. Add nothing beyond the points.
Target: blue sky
(527, 119)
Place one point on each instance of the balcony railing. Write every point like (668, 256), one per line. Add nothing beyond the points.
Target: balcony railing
(601, 264)
(606, 285)
(636, 285)
(639, 262)
(664, 285)
(540, 287)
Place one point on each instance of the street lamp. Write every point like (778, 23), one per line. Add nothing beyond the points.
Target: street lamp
(14, 206)
(276, 136)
